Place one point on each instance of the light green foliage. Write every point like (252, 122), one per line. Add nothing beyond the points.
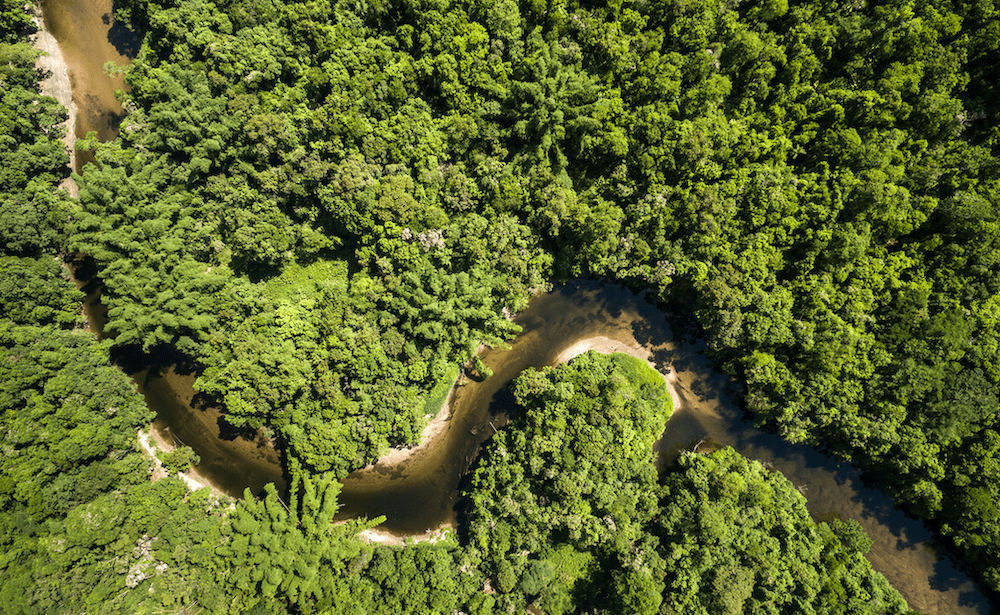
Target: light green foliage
(438, 396)
(288, 552)
(312, 362)
(179, 460)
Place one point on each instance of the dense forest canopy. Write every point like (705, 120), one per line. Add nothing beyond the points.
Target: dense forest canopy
(330, 205)
(567, 513)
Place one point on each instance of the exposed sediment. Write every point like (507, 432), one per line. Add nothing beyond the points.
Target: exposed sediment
(58, 85)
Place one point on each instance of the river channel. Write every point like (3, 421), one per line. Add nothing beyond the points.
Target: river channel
(89, 38)
(420, 493)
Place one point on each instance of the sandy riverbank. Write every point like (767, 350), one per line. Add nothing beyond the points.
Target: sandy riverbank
(431, 432)
(381, 537)
(436, 428)
(58, 86)
(151, 442)
(439, 423)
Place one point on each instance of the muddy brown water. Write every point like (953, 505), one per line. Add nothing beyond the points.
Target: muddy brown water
(89, 37)
(421, 493)
(230, 460)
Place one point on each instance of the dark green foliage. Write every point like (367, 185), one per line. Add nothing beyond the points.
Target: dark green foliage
(32, 155)
(14, 21)
(851, 535)
(416, 579)
(573, 473)
(737, 538)
(37, 292)
(567, 513)
(65, 409)
(81, 526)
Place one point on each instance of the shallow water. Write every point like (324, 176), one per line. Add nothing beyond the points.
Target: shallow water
(900, 550)
(88, 38)
(421, 493)
(232, 461)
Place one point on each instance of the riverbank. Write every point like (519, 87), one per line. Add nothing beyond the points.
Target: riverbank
(231, 461)
(58, 85)
(433, 435)
(434, 430)
(439, 424)
(428, 436)
(606, 345)
(445, 533)
(151, 442)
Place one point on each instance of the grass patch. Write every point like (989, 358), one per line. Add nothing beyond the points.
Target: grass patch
(644, 378)
(439, 394)
(637, 370)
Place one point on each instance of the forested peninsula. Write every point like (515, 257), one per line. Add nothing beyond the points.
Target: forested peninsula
(328, 207)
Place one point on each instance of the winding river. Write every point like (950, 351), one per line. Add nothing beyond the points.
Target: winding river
(419, 493)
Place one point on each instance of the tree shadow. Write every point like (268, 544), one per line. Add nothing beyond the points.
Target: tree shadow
(125, 41)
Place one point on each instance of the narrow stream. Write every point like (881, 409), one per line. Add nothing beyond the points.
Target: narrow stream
(421, 493)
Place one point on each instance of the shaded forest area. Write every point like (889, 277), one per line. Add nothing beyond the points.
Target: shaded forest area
(331, 205)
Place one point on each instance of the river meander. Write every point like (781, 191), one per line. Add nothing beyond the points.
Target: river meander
(420, 493)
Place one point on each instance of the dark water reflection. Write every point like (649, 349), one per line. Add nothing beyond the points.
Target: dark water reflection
(231, 460)
(708, 414)
(422, 493)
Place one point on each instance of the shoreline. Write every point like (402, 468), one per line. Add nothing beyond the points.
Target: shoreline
(151, 442)
(58, 85)
(445, 532)
(439, 424)
(431, 432)
(606, 345)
